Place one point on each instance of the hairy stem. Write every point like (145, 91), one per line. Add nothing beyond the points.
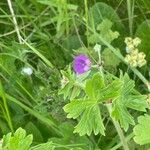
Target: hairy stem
(118, 129)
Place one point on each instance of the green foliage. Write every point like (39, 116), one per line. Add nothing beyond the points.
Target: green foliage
(32, 129)
(106, 32)
(143, 32)
(71, 84)
(128, 99)
(69, 138)
(21, 141)
(17, 142)
(44, 146)
(108, 57)
(63, 15)
(101, 11)
(88, 107)
(142, 130)
(53, 32)
(104, 29)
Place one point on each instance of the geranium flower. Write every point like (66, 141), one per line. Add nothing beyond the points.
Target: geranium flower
(81, 64)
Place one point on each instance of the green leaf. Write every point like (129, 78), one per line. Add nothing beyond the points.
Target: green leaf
(111, 91)
(32, 129)
(17, 142)
(76, 107)
(109, 57)
(121, 113)
(6, 140)
(101, 11)
(137, 102)
(88, 109)
(91, 121)
(143, 32)
(44, 146)
(70, 88)
(128, 99)
(128, 85)
(93, 86)
(72, 42)
(142, 130)
(105, 31)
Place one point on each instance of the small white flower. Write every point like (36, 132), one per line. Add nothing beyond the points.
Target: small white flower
(97, 47)
(127, 49)
(27, 71)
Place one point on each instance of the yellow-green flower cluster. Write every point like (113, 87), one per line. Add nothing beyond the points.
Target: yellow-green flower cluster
(134, 57)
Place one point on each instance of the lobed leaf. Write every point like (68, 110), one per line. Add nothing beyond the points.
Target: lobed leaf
(93, 86)
(128, 98)
(88, 108)
(111, 91)
(76, 107)
(91, 121)
(142, 130)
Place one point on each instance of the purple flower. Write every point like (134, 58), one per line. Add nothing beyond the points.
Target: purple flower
(81, 64)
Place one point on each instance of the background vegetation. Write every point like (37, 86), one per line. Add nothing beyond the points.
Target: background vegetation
(46, 37)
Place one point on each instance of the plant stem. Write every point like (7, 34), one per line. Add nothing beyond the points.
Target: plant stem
(39, 54)
(118, 129)
(6, 112)
(128, 138)
(139, 74)
(86, 19)
(130, 8)
(14, 21)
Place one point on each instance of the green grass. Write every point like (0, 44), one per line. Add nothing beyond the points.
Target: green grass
(45, 36)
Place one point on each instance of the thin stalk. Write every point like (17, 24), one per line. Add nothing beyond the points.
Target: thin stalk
(14, 20)
(140, 75)
(130, 8)
(39, 54)
(67, 18)
(128, 138)
(118, 129)
(8, 118)
(86, 19)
